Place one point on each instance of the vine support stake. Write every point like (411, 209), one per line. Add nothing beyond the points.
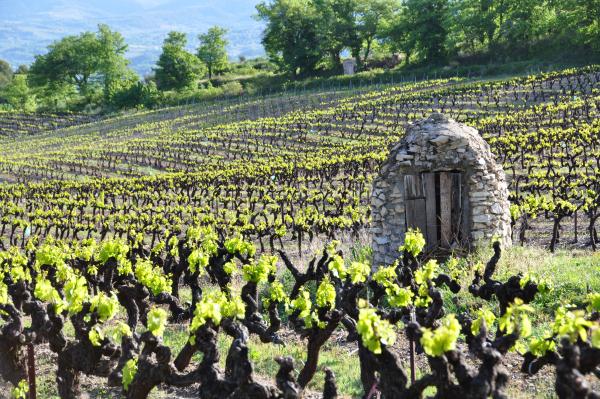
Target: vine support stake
(31, 371)
(576, 235)
(412, 361)
(412, 350)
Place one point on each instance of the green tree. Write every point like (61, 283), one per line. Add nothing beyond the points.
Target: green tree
(423, 27)
(18, 94)
(511, 27)
(292, 37)
(71, 60)
(113, 65)
(83, 60)
(579, 22)
(6, 73)
(373, 21)
(212, 50)
(337, 27)
(477, 22)
(176, 68)
(518, 26)
(23, 69)
(176, 39)
(140, 95)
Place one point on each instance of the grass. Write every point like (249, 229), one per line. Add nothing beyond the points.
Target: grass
(339, 358)
(572, 274)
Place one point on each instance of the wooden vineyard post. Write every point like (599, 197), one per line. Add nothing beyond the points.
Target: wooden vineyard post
(412, 350)
(31, 371)
(576, 235)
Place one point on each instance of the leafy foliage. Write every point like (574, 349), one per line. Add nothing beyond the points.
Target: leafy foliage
(21, 390)
(152, 277)
(414, 242)
(129, 372)
(157, 320)
(211, 50)
(374, 330)
(176, 68)
(260, 270)
(325, 297)
(443, 338)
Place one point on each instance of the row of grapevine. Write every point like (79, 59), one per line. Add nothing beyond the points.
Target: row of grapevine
(308, 171)
(18, 123)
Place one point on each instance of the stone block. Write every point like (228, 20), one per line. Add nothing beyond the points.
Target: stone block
(381, 240)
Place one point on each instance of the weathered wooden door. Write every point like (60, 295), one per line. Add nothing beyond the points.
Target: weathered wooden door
(434, 205)
(415, 203)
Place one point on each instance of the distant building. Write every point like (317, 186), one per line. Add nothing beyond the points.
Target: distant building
(349, 66)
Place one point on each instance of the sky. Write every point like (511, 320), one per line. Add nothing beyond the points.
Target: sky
(27, 27)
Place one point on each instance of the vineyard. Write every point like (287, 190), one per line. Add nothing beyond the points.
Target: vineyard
(12, 124)
(156, 251)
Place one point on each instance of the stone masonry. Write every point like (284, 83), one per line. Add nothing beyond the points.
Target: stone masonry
(431, 145)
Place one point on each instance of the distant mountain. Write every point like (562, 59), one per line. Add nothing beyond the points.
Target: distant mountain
(28, 27)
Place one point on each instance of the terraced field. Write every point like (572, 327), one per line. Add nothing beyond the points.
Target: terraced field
(222, 218)
(284, 147)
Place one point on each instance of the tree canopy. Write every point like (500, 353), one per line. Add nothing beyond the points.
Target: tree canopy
(374, 18)
(84, 60)
(304, 36)
(18, 94)
(292, 37)
(6, 73)
(211, 50)
(176, 67)
(426, 22)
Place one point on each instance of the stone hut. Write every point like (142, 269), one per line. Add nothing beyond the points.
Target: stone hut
(442, 179)
(349, 66)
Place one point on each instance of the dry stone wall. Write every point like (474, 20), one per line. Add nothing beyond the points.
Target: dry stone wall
(439, 144)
